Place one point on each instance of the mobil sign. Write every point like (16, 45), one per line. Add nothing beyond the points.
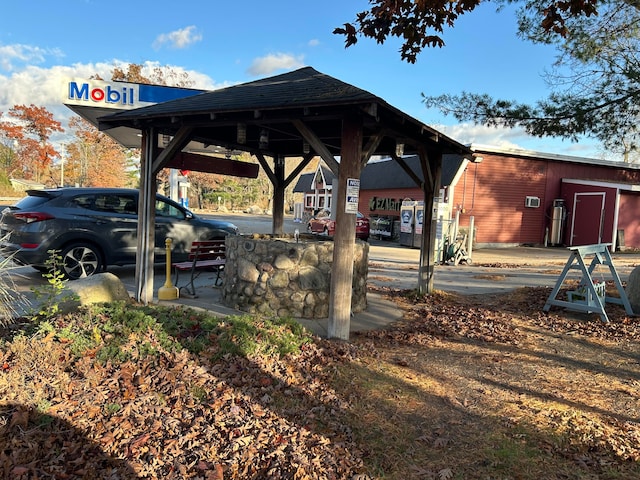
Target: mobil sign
(97, 93)
(119, 95)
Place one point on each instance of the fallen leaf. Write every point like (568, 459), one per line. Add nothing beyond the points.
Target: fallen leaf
(445, 473)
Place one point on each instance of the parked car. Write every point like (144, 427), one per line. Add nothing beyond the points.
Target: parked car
(323, 224)
(93, 228)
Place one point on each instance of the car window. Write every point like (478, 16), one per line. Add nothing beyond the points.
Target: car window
(129, 205)
(82, 201)
(32, 201)
(111, 203)
(164, 209)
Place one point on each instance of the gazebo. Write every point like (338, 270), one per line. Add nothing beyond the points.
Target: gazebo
(290, 117)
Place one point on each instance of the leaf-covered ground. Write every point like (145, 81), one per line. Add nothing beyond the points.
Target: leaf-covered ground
(460, 388)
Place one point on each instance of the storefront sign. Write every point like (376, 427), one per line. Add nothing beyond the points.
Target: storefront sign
(124, 95)
(382, 226)
(386, 204)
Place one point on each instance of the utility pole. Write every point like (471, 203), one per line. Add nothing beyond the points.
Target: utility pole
(62, 167)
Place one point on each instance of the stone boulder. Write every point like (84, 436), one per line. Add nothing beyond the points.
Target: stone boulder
(254, 210)
(98, 288)
(633, 289)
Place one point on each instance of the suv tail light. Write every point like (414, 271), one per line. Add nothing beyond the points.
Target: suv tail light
(32, 217)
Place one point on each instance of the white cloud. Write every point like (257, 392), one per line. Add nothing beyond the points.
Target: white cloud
(13, 56)
(517, 138)
(178, 38)
(469, 133)
(46, 87)
(273, 62)
(314, 42)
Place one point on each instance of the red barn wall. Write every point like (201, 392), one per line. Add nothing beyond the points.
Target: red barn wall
(494, 193)
(629, 218)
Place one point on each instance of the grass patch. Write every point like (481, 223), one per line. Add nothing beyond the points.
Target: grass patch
(119, 332)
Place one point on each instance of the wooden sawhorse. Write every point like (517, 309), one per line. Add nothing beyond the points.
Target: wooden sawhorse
(592, 299)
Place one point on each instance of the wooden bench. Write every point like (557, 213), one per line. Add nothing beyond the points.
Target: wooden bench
(204, 255)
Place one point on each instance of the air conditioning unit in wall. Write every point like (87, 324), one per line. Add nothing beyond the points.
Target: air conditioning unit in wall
(532, 202)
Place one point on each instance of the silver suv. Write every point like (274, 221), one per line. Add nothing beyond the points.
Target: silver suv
(93, 228)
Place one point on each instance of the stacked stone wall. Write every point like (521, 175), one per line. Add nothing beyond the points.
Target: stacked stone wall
(287, 277)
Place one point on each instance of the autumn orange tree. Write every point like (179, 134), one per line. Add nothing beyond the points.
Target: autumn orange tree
(158, 76)
(26, 140)
(134, 73)
(10, 136)
(95, 159)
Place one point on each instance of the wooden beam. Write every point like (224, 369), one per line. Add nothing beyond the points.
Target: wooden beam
(210, 164)
(266, 167)
(371, 146)
(419, 182)
(277, 216)
(276, 177)
(426, 166)
(146, 220)
(177, 143)
(296, 171)
(317, 145)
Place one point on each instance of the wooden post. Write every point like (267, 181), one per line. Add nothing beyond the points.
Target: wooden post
(146, 220)
(430, 223)
(278, 196)
(344, 238)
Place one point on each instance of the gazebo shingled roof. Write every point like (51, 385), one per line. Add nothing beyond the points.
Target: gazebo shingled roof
(272, 103)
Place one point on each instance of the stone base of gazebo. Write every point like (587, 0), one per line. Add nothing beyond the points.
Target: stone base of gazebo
(287, 277)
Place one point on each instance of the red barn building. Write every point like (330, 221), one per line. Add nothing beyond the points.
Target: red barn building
(516, 197)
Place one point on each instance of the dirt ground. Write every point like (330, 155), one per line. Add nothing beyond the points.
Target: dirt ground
(556, 394)
(462, 387)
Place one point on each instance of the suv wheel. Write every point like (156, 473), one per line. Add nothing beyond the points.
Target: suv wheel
(80, 260)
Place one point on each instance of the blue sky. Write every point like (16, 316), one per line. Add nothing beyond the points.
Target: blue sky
(224, 43)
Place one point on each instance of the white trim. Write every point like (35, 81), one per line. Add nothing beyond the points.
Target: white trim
(550, 156)
(616, 210)
(602, 183)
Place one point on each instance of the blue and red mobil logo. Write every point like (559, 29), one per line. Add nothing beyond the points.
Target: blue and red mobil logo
(111, 95)
(121, 95)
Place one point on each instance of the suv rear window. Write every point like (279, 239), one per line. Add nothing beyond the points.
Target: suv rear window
(30, 202)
